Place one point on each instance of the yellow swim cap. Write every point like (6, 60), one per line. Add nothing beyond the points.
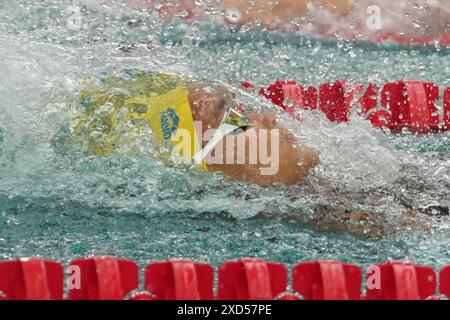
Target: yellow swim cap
(170, 118)
(155, 102)
(146, 103)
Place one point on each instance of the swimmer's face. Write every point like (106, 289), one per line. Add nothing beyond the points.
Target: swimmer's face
(284, 160)
(290, 163)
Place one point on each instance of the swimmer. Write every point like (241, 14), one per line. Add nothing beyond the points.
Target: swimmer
(424, 18)
(198, 121)
(271, 13)
(293, 160)
(114, 116)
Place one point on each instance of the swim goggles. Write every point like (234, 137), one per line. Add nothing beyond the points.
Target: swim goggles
(233, 122)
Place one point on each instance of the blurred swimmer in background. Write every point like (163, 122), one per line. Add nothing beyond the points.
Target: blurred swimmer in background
(415, 19)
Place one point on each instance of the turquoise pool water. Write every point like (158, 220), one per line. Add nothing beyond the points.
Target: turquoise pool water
(61, 205)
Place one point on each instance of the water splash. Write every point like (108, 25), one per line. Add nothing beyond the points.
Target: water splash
(64, 204)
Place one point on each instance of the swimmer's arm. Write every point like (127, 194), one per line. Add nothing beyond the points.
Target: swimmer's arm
(363, 223)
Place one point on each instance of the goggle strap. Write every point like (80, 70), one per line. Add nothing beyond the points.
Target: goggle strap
(232, 120)
(221, 132)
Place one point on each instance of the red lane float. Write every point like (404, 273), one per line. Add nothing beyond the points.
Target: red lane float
(444, 281)
(335, 100)
(327, 280)
(443, 40)
(290, 95)
(397, 106)
(31, 279)
(412, 105)
(404, 281)
(251, 279)
(180, 280)
(107, 278)
(447, 109)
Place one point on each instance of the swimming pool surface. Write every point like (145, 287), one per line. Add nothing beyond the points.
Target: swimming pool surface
(62, 205)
